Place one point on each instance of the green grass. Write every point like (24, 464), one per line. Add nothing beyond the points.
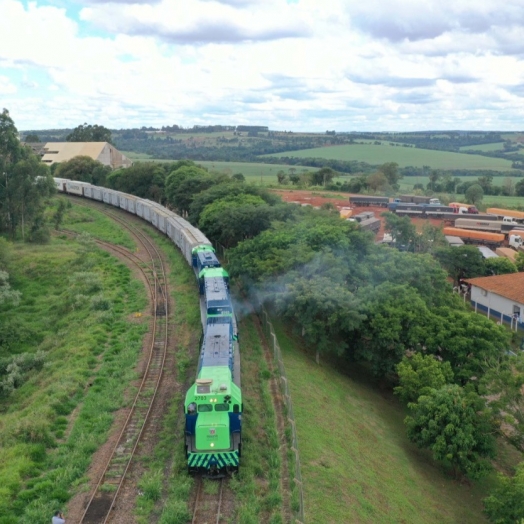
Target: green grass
(357, 464)
(404, 156)
(254, 171)
(90, 357)
(81, 218)
(495, 146)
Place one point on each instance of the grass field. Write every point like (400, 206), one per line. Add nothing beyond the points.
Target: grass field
(357, 463)
(495, 146)
(404, 156)
(76, 304)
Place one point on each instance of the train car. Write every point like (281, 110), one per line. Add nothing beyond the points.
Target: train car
(76, 188)
(211, 272)
(60, 184)
(217, 300)
(128, 202)
(213, 408)
(205, 259)
(159, 218)
(110, 196)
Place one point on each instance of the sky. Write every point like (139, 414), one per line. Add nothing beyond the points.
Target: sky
(300, 65)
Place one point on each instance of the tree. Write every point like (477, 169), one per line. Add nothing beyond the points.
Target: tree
(6, 293)
(395, 323)
(143, 179)
(391, 172)
(471, 343)
(239, 177)
(84, 169)
(32, 137)
(402, 230)
(506, 504)
(323, 308)
(503, 386)
(499, 266)
(281, 177)
(90, 133)
(519, 188)
(461, 262)
(323, 176)
(455, 425)
(377, 181)
(474, 194)
(433, 179)
(418, 374)
(519, 261)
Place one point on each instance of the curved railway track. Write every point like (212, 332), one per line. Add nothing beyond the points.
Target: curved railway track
(109, 486)
(208, 505)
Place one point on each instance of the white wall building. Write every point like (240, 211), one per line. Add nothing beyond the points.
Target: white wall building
(501, 297)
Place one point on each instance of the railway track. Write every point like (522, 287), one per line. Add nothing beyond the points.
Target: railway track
(208, 502)
(109, 486)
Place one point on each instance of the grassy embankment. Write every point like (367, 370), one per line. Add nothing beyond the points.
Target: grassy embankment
(76, 306)
(357, 463)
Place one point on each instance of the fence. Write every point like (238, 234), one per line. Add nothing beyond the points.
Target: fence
(271, 338)
(284, 384)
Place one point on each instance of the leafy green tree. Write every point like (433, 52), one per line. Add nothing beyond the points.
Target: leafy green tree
(281, 177)
(228, 188)
(461, 262)
(519, 261)
(470, 342)
(323, 176)
(391, 172)
(499, 266)
(28, 183)
(143, 179)
(430, 239)
(456, 426)
(377, 181)
(418, 374)
(324, 309)
(474, 194)
(434, 177)
(177, 185)
(395, 323)
(503, 386)
(505, 505)
(519, 188)
(239, 177)
(32, 138)
(402, 230)
(90, 133)
(84, 169)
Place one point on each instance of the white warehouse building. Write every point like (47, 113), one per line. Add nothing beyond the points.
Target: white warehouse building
(501, 297)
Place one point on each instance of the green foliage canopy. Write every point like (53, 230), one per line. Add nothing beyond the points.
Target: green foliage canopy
(455, 425)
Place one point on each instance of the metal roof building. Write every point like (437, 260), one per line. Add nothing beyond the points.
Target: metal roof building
(105, 153)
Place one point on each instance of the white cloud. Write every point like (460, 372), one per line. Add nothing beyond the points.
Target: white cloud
(310, 65)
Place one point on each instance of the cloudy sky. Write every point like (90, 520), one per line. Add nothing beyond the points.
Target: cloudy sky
(288, 64)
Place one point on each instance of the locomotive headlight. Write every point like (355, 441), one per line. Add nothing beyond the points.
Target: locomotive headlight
(212, 444)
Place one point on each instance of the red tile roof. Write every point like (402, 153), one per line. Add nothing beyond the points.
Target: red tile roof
(509, 286)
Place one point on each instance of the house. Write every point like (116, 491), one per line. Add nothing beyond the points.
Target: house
(500, 296)
(104, 152)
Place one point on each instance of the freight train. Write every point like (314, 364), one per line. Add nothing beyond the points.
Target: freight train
(213, 404)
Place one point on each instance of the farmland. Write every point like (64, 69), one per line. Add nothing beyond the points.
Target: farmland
(403, 156)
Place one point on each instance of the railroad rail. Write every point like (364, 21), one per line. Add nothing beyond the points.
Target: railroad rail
(105, 495)
(208, 505)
